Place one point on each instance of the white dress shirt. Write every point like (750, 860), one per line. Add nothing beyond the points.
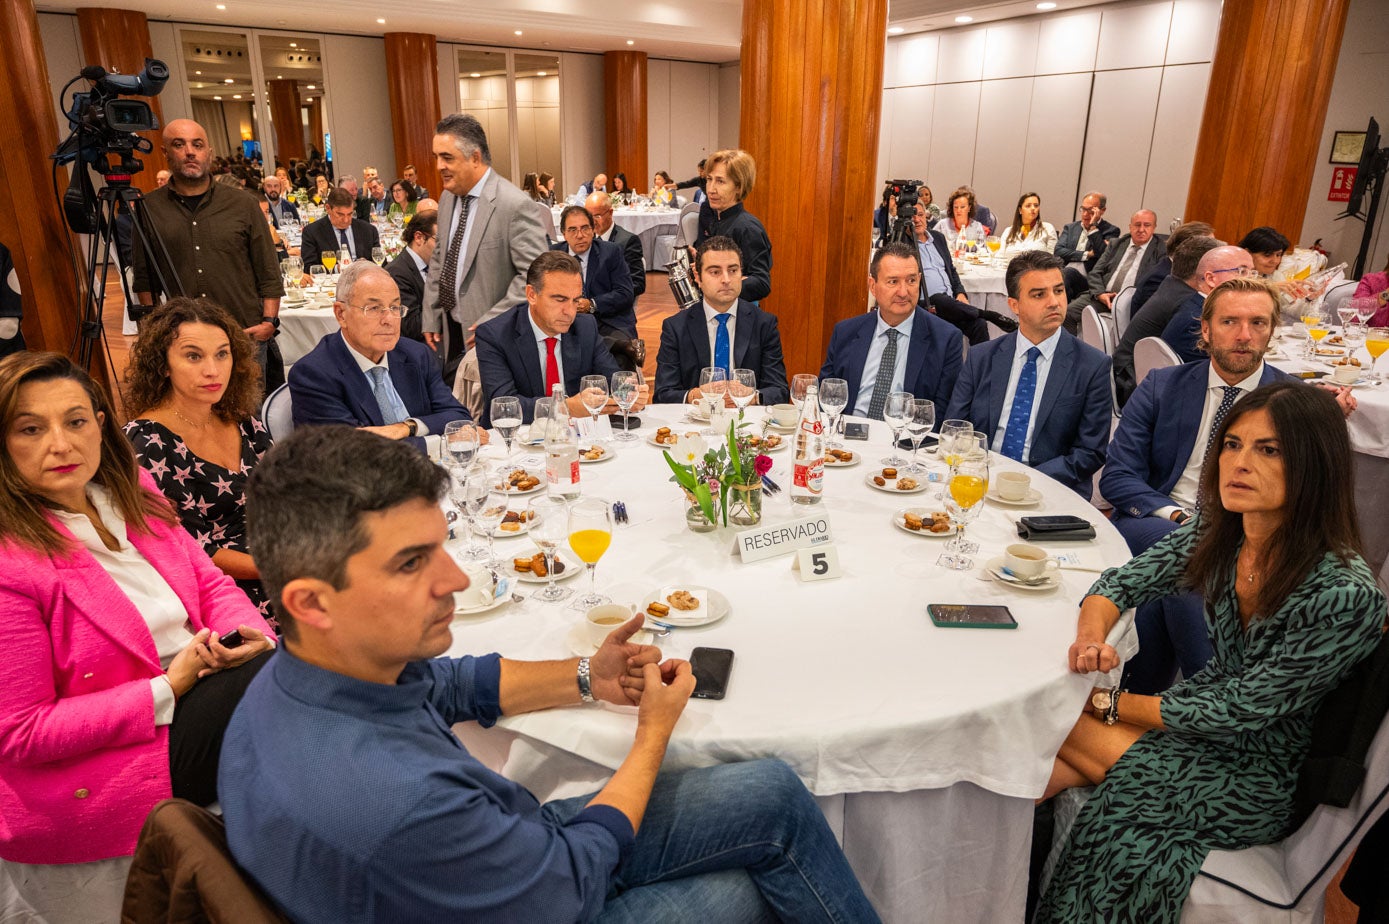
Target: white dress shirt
(467, 232)
(1119, 285)
(145, 587)
(1184, 492)
(709, 315)
(1020, 348)
(875, 359)
(540, 337)
(366, 365)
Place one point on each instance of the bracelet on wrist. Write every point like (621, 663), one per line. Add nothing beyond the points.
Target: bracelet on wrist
(585, 681)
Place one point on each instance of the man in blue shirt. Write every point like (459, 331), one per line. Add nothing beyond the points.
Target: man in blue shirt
(348, 798)
(942, 292)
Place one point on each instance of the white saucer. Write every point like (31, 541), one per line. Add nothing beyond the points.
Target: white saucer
(500, 533)
(994, 567)
(1032, 497)
(534, 473)
(925, 514)
(891, 488)
(581, 647)
(605, 457)
(497, 600)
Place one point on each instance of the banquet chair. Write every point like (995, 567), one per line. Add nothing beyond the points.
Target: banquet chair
(689, 226)
(662, 247)
(547, 221)
(277, 414)
(1337, 296)
(1094, 332)
(1152, 353)
(1123, 310)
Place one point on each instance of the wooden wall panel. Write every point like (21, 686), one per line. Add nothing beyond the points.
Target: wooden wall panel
(288, 120)
(119, 40)
(412, 63)
(624, 95)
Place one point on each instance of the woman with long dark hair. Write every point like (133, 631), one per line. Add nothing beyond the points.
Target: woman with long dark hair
(404, 200)
(1028, 231)
(1212, 763)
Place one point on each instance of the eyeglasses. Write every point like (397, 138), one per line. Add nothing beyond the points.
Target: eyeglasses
(376, 312)
(1237, 270)
(583, 229)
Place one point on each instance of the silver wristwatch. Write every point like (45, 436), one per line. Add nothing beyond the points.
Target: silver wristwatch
(585, 685)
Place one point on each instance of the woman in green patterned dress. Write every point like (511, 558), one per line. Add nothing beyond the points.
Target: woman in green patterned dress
(1291, 607)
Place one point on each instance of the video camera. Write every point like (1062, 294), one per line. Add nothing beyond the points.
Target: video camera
(908, 193)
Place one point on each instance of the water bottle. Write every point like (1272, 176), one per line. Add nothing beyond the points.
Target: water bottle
(808, 471)
(561, 449)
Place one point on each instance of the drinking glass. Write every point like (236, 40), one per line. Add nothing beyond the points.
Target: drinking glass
(743, 388)
(590, 534)
(834, 397)
(626, 386)
(460, 442)
(799, 383)
(713, 384)
(897, 410)
(968, 483)
(506, 417)
(1376, 342)
(330, 260)
(549, 526)
(1347, 314)
(491, 502)
(950, 432)
(1365, 308)
(593, 392)
(923, 417)
(993, 242)
(459, 478)
(378, 255)
(1309, 320)
(316, 274)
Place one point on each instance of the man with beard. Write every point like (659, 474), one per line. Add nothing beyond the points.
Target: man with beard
(281, 209)
(1153, 469)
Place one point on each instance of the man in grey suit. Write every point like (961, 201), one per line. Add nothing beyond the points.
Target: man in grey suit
(489, 234)
(1123, 264)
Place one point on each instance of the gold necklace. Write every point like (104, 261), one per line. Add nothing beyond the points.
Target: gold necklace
(195, 426)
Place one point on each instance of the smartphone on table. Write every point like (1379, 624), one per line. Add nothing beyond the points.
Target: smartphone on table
(711, 668)
(971, 616)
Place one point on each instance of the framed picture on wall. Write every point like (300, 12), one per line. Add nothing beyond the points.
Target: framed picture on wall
(1346, 147)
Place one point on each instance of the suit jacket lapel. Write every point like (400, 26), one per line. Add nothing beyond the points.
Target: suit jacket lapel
(1000, 368)
(1062, 358)
(574, 367)
(917, 351)
(1191, 403)
(742, 334)
(95, 594)
(358, 390)
(699, 336)
(530, 359)
(478, 216)
(405, 380)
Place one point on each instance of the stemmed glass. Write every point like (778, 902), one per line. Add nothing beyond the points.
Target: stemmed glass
(1376, 343)
(1347, 314)
(950, 433)
(897, 410)
(506, 417)
(1365, 309)
(968, 482)
(549, 526)
(460, 442)
(713, 383)
(491, 501)
(590, 534)
(593, 392)
(378, 255)
(834, 397)
(923, 418)
(743, 388)
(799, 383)
(460, 476)
(317, 273)
(626, 386)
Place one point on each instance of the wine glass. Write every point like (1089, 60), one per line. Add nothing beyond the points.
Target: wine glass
(506, 417)
(330, 260)
(1365, 308)
(626, 386)
(1347, 314)
(460, 442)
(950, 433)
(593, 392)
(549, 526)
(590, 534)
(743, 388)
(897, 410)
(968, 482)
(317, 273)
(922, 419)
(378, 255)
(459, 478)
(1376, 343)
(834, 397)
(713, 384)
(491, 501)
(799, 383)
(993, 242)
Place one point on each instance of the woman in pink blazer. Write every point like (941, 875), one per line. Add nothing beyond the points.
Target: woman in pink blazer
(114, 684)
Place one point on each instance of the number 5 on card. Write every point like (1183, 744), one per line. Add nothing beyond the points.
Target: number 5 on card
(818, 563)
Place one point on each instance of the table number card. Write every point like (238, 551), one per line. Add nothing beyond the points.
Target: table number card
(820, 563)
(590, 433)
(769, 541)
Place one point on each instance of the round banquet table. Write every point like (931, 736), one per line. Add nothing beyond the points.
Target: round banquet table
(925, 746)
(644, 223)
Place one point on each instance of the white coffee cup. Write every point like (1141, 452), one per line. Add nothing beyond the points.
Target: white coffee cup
(1346, 374)
(785, 415)
(1012, 486)
(603, 619)
(479, 591)
(1028, 561)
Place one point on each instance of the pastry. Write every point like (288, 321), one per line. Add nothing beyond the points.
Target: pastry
(913, 522)
(906, 484)
(940, 522)
(593, 453)
(839, 455)
(682, 600)
(880, 481)
(889, 473)
(657, 609)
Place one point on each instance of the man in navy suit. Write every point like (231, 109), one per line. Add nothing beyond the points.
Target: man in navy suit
(1183, 330)
(338, 228)
(942, 292)
(1040, 395)
(1154, 466)
(607, 282)
(410, 267)
(926, 361)
(721, 329)
(366, 375)
(281, 209)
(543, 341)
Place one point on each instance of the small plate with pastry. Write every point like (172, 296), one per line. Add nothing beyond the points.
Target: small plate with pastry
(665, 437)
(923, 521)
(685, 605)
(842, 458)
(515, 523)
(769, 443)
(530, 569)
(523, 481)
(594, 454)
(894, 482)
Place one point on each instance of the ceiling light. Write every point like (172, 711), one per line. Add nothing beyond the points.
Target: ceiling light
(312, 87)
(229, 80)
(381, 22)
(517, 32)
(541, 74)
(279, 76)
(474, 74)
(896, 30)
(199, 73)
(630, 42)
(964, 19)
(217, 97)
(293, 44)
(1046, 6)
(236, 96)
(221, 6)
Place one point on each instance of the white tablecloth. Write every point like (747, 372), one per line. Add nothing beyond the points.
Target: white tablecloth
(301, 328)
(848, 681)
(638, 221)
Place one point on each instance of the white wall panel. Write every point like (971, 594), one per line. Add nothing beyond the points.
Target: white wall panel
(952, 135)
(173, 102)
(359, 104)
(658, 119)
(1000, 143)
(1133, 35)
(961, 55)
(1122, 107)
(694, 99)
(912, 114)
(1010, 48)
(1055, 142)
(730, 106)
(1195, 24)
(1067, 44)
(1174, 141)
(581, 118)
(915, 61)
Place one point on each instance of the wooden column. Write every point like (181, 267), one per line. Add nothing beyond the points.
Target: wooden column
(812, 85)
(315, 112)
(288, 119)
(119, 40)
(412, 63)
(31, 225)
(1270, 84)
(624, 98)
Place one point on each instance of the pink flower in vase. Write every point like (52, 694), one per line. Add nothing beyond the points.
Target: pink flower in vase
(762, 465)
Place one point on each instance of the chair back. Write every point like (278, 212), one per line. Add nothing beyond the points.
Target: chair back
(467, 386)
(277, 414)
(1123, 309)
(1093, 332)
(1152, 353)
(547, 221)
(1337, 296)
(689, 226)
(183, 871)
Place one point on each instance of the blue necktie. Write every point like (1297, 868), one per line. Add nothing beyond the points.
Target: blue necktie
(343, 241)
(721, 358)
(1015, 437)
(387, 399)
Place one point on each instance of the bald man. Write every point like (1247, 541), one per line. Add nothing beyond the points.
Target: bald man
(1125, 262)
(1221, 264)
(218, 242)
(600, 206)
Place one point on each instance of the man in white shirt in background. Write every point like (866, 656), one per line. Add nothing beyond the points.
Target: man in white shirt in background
(1123, 264)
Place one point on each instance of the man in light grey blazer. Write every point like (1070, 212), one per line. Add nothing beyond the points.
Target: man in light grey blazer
(489, 235)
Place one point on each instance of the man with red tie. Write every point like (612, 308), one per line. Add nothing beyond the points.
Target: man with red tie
(545, 340)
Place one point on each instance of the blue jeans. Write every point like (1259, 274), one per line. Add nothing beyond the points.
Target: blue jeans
(1172, 631)
(732, 843)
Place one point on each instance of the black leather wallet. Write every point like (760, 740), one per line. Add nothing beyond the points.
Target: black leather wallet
(1056, 529)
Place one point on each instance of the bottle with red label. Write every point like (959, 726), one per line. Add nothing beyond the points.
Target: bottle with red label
(561, 448)
(808, 472)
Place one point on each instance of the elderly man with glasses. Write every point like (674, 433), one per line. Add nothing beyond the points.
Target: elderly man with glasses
(366, 376)
(607, 282)
(1216, 266)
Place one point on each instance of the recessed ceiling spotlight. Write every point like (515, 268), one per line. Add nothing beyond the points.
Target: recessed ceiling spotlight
(381, 22)
(217, 97)
(199, 73)
(896, 30)
(221, 6)
(236, 96)
(229, 80)
(964, 19)
(517, 32)
(279, 76)
(1046, 6)
(293, 44)
(312, 87)
(541, 74)
(474, 74)
(630, 42)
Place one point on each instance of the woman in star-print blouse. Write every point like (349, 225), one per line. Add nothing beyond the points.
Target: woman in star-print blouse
(193, 388)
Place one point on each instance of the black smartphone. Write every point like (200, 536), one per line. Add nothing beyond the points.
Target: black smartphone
(633, 421)
(971, 616)
(927, 442)
(232, 639)
(711, 667)
(854, 430)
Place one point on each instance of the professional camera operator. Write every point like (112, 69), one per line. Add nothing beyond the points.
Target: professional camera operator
(218, 242)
